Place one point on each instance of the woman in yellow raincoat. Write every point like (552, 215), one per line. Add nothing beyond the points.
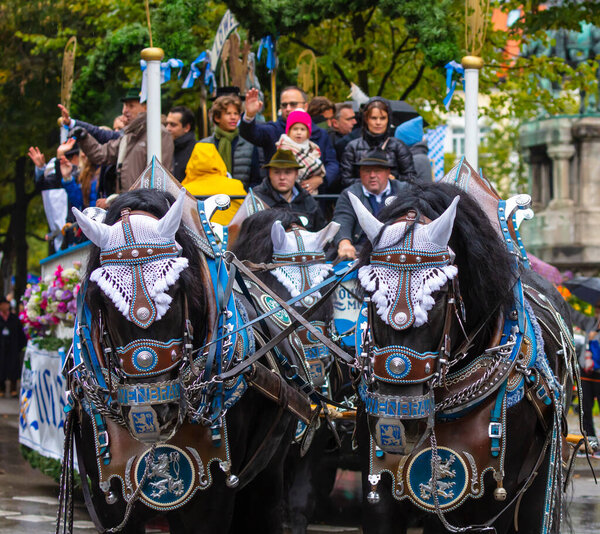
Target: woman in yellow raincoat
(206, 174)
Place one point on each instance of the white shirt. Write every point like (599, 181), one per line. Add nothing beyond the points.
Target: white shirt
(387, 191)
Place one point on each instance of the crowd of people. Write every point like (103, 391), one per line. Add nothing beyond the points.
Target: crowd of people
(314, 147)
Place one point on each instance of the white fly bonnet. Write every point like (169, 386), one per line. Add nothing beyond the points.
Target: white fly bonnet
(409, 263)
(299, 246)
(139, 261)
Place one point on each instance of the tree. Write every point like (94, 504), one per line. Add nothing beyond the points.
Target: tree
(359, 41)
(110, 37)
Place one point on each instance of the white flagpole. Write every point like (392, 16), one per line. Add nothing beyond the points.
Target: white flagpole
(153, 56)
(472, 65)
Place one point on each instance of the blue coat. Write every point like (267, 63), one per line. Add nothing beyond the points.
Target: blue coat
(266, 134)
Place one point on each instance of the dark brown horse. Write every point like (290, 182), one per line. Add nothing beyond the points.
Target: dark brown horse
(157, 431)
(463, 372)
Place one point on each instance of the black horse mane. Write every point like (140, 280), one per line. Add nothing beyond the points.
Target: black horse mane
(254, 240)
(156, 203)
(486, 270)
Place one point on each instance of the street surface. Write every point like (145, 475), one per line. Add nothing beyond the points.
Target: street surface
(28, 498)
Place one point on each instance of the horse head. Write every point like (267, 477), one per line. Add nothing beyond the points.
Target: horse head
(141, 297)
(409, 279)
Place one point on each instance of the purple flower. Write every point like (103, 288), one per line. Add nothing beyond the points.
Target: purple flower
(72, 306)
(67, 295)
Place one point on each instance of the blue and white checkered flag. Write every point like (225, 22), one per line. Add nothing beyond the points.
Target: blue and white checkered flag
(435, 141)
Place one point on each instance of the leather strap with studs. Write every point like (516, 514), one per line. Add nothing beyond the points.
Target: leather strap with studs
(138, 253)
(407, 259)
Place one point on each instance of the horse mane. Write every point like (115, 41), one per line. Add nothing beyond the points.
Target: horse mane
(486, 270)
(156, 203)
(254, 240)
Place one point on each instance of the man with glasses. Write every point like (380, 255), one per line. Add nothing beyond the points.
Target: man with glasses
(265, 135)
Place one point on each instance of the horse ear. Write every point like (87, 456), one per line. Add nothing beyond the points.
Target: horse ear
(440, 230)
(325, 235)
(278, 236)
(167, 227)
(368, 222)
(97, 232)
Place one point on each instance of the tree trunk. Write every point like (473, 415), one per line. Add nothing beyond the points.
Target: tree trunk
(14, 259)
(19, 217)
(359, 56)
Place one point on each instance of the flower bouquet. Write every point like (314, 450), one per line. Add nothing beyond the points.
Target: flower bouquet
(49, 306)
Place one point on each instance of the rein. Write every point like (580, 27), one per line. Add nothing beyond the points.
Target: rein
(299, 319)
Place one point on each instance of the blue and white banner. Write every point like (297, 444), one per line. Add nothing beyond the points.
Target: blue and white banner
(452, 67)
(227, 25)
(436, 139)
(165, 74)
(42, 418)
(202, 61)
(346, 306)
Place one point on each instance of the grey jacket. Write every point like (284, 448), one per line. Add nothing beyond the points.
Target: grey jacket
(347, 219)
(422, 162)
(242, 151)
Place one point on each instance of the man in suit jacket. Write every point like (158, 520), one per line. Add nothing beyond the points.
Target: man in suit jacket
(373, 189)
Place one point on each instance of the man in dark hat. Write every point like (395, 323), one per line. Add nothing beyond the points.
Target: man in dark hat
(279, 190)
(129, 151)
(12, 341)
(373, 189)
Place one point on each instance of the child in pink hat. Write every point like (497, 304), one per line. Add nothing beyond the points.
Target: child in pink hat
(297, 139)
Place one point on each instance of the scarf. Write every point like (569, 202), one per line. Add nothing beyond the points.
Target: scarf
(225, 139)
(374, 140)
(307, 154)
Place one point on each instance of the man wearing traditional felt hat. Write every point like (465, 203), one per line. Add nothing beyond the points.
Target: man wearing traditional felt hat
(128, 152)
(374, 188)
(279, 190)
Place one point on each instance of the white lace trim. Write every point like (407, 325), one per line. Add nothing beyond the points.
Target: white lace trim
(384, 283)
(116, 282)
(291, 278)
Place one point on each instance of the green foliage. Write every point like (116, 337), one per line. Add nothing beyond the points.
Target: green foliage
(48, 466)
(53, 343)
(373, 44)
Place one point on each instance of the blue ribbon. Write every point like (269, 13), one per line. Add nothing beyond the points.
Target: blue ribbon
(268, 43)
(165, 74)
(451, 68)
(203, 60)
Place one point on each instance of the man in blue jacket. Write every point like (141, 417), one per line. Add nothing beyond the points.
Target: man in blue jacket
(265, 135)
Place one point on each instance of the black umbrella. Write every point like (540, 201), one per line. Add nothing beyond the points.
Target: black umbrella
(585, 287)
(402, 112)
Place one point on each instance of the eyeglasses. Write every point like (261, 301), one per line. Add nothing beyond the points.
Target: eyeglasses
(291, 104)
